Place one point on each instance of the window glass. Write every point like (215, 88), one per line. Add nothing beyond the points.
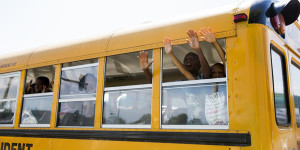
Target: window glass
(199, 104)
(79, 82)
(123, 70)
(7, 111)
(78, 94)
(296, 88)
(36, 110)
(9, 87)
(188, 57)
(76, 113)
(279, 84)
(127, 107)
(127, 92)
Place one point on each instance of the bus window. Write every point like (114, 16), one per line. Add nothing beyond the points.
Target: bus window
(77, 98)
(295, 70)
(193, 104)
(37, 99)
(127, 96)
(9, 87)
(280, 88)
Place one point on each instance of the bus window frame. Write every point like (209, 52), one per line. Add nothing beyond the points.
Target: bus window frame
(120, 88)
(284, 64)
(82, 99)
(6, 75)
(34, 96)
(191, 82)
(296, 64)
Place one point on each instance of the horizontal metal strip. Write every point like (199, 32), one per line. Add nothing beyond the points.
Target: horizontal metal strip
(191, 82)
(80, 66)
(227, 139)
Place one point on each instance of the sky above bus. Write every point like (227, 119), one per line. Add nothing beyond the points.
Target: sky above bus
(27, 24)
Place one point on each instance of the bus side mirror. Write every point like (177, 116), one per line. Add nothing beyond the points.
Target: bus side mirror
(282, 14)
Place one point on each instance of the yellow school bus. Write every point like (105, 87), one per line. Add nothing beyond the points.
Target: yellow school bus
(92, 93)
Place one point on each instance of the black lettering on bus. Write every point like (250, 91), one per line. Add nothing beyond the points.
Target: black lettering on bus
(6, 146)
(29, 146)
(2, 146)
(21, 146)
(13, 146)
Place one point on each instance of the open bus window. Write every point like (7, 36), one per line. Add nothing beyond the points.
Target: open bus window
(193, 104)
(37, 99)
(295, 71)
(127, 94)
(9, 86)
(182, 52)
(39, 80)
(77, 100)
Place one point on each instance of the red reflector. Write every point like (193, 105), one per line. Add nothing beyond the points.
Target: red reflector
(240, 17)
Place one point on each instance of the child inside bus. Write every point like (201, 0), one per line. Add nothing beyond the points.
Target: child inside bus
(41, 85)
(191, 64)
(217, 70)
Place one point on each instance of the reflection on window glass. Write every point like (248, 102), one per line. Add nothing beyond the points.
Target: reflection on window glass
(9, 84)
(280, 96)
(9, 87)
(36, 110)
(7, 110)
(40, 80)
(127, 107)
(76, 113)
(296, 88)
(204, 104)
(122, 70)
(78, 93)
(78, 81)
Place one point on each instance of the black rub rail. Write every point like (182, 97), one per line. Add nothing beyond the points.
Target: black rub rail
(226, 139)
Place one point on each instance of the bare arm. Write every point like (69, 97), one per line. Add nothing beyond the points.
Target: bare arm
(208, 36)
(144, 64)
(177, 63)
(194, 44)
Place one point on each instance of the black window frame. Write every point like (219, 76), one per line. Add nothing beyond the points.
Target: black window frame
(285, 85)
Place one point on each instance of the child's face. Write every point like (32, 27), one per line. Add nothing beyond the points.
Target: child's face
(217, 71)
(38, 86)
(191, 63)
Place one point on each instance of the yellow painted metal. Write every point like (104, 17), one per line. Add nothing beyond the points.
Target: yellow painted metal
(99, 96)
(55, 95)
(73, 144)
(156, 80)
(20, 99)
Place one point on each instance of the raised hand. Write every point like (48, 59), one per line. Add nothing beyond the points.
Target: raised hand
(207, 35)
(44, 89)
(143, 59)
(168, 45)
(28, 89)
(194, 40)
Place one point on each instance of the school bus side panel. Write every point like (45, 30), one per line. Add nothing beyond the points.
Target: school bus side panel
(247, 84)
(24, 143)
